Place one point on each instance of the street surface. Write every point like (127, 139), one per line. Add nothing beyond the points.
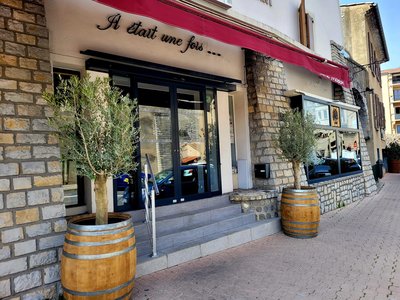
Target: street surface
(355, 256)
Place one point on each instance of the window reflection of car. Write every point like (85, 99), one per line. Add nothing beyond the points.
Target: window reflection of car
(329, 167)
(193, 180)
(123, 193)
(319, 171)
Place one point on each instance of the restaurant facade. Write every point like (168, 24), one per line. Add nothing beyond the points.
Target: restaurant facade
(211, 80)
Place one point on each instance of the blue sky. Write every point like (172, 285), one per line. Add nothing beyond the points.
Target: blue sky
(389, 10)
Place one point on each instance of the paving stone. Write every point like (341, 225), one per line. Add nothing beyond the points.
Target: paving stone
(23, 248)
(4, 185)
(45, 292)
(33, 167)
(52, 274)
(43, 258)
(6, 219)
(38, 197)
(15, 200)
(12, 235)
(60, 225)
(5, 288)
(53, 211)
(13, 266)
(38, 229)
(27, 215)
(27, 281)
(46, 152)
(5, 252)
(355, 256)
(51, 242)
(22, 183)
(8, 169)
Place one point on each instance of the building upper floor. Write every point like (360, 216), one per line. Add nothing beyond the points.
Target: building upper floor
(391, 99)
(364, 37)
(319, 19)
(391, 86)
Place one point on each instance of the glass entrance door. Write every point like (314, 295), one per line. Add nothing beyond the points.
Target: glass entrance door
(178, 133)
(156, 137)
(192, 142)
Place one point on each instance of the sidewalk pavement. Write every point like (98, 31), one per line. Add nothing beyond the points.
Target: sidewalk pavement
(355, 256)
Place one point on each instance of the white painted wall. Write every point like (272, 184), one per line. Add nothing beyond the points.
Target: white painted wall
(283, 16)
(242, 133)
(302, 79)
(224, 142)
(72, 27)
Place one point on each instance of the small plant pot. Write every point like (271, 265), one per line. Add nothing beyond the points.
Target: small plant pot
(300, 212)
(99, 261)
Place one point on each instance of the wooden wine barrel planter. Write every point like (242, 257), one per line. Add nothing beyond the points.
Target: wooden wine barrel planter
(394, 165)
(99, 261)
(300, 212)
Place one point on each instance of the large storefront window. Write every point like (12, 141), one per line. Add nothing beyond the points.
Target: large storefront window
(337, 150)
(319, 111)
(178, 142)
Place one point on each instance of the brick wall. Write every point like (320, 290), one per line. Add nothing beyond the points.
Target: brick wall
(266, 83)
(340, 192)
(31, 198)
(369, 181)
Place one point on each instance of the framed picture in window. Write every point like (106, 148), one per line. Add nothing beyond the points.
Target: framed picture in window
(335, 116)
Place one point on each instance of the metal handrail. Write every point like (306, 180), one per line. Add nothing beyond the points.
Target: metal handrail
(151, 217)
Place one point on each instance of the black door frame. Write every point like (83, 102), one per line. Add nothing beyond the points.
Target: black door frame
(173, 86)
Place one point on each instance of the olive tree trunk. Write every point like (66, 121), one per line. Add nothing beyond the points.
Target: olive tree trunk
(297, 175)
(100, 189)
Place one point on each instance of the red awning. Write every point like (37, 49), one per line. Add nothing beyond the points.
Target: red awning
(179, 15)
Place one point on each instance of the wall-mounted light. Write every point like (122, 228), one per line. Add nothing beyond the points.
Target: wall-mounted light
(367, 90)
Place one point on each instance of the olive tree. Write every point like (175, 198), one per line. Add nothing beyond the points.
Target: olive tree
(297, 141)
(95, 125)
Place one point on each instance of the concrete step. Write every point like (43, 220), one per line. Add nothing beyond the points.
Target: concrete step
(206, 245)
(184, 207)
(169, 224)
(186, 234)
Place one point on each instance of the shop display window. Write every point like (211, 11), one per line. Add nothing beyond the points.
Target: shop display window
(337, 151)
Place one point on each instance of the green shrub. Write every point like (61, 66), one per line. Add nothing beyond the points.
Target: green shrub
(297, 140)
(94, 122)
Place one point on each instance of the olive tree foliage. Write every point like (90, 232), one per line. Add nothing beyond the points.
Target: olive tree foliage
(95, 125)
(297, 140)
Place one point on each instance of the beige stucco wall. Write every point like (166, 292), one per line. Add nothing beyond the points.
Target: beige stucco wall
(72, 27)
(355, 32)
(283, 15)
(301, 79)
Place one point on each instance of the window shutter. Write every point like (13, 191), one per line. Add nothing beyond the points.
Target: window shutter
(303, 23)
(310, 31)
(376, 121)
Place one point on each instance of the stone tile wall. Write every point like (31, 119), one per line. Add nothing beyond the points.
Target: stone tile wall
(32, 222)
(262, 203)
(266, 81)
(340, 192)
(369, 181)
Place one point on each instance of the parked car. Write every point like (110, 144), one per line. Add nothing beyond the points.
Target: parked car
(193, 180)
(329, 167)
